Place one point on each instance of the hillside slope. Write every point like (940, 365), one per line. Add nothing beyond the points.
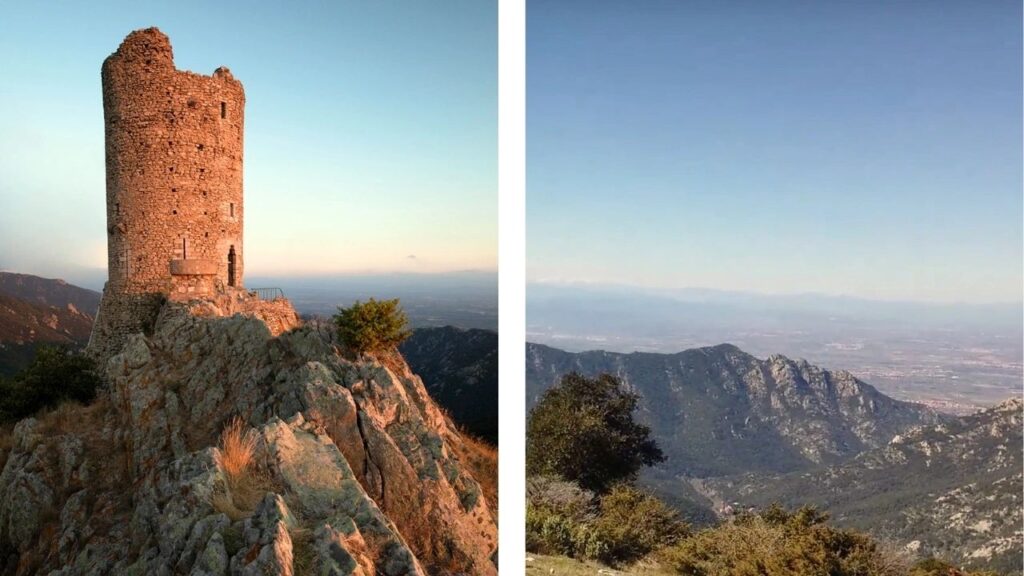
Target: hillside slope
(460, 369)
(49, 292)
(355, 470)
(24, 325)
(952, 490)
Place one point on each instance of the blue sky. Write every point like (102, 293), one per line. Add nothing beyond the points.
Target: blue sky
(370, 141)
(870, 149)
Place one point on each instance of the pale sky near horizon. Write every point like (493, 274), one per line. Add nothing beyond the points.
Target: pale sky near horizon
(370, 137)
(865, 149)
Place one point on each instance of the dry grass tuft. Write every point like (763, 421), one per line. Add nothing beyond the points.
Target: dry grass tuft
(237, 446)
(245, 485)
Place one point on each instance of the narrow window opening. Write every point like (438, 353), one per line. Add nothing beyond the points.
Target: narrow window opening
(184, 249)
(232, 209)
(231, 266)
(117, 208)
(223, 109)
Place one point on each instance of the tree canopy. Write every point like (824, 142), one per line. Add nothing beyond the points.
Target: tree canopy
(583, 430)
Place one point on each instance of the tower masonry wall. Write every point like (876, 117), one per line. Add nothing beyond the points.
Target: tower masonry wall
(174, 172)
(175, 207)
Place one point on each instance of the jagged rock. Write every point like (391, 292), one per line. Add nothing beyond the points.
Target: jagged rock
(951, 490)
(358, 467)
(268, 548)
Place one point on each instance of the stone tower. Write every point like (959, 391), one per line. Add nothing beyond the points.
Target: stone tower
(174, 185)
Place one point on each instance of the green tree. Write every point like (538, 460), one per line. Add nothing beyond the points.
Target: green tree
(583, 430)
(55, 375)
(372, 326)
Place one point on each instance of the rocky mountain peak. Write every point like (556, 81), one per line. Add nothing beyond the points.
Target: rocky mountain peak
(354, 469)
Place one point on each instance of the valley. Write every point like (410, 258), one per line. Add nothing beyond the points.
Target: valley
(740, 433)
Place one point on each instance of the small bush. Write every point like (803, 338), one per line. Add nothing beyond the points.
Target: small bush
(55, 376)
(372, 326)
(565, 498)
(779, 543)
(549, 532)
(632, 524)
(621, 527)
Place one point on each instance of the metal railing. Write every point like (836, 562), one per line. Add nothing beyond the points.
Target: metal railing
(268, 293)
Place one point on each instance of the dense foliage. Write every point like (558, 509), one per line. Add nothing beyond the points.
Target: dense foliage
(620, 527)
(583, 430)
(935, 567)
(372, 326)
(55, 375)
(779, 543)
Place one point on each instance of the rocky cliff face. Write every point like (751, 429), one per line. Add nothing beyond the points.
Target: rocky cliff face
(355, 469)
(952, 490)
(718, 410)
(460, 368)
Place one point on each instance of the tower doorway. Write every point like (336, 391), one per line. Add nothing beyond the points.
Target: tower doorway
(231, 266)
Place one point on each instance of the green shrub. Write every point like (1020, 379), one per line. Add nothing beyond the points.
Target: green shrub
(632, 524)
(619, 528)
(936, 567)
(779, 543)
(565, 498)
(583, 430)
(54, 376)
(372, 326)
(548, 532)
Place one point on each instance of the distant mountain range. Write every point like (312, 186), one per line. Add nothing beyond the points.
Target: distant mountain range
(460, 369)
(36, 311)
(742, 432)
(718, 411)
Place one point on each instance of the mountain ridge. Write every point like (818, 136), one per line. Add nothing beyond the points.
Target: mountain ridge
(951, 489)
(774, 415)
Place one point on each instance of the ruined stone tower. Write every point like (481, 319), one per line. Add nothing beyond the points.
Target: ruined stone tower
(174, 185)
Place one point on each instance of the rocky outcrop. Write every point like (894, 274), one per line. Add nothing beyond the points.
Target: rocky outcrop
(951, 490)
(354, 470)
